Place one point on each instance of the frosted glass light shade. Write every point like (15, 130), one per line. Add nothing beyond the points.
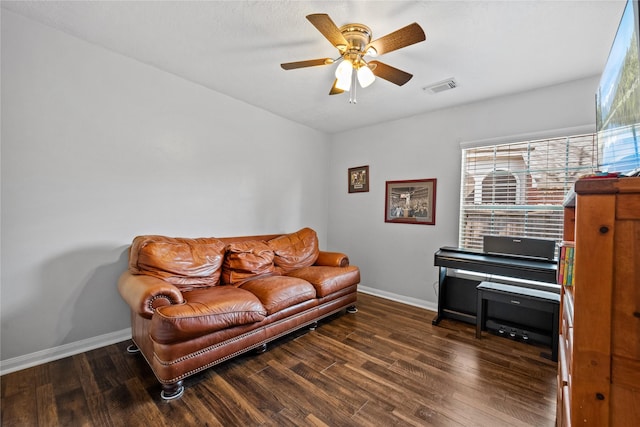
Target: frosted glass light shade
(365, 76)
(343, 74)
(344, 70)
(343, 84)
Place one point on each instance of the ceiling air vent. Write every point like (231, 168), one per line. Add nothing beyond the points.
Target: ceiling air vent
(447, 84)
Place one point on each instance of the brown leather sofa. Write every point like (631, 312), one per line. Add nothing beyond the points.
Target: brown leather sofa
(198, 302)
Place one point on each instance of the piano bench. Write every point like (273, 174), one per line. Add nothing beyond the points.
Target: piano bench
(534, 299)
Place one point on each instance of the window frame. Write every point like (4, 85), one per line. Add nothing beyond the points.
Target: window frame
(548, 215)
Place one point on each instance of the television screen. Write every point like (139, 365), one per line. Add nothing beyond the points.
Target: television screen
(618, 99)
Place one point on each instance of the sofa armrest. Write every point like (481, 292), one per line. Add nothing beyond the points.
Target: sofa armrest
(146, 293)
(332, 259)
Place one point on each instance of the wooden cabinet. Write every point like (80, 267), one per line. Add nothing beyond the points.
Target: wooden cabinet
(599, 348)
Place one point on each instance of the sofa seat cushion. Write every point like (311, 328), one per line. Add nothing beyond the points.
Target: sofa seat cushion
(279, 292)
(205, 311)
(246, 260)
(295, 250)
(186, 263)
(328, 280)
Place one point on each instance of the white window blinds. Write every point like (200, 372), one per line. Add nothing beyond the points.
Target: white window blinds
(517, 189)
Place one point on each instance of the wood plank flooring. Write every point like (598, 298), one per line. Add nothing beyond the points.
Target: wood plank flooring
(383, 366)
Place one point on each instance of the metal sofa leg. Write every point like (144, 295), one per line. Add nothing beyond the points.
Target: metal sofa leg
(313, 326)
(352, 309)
(261, 349)
(172, 391)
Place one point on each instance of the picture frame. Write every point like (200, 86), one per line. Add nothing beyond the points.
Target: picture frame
(411, 201)
(358, 179)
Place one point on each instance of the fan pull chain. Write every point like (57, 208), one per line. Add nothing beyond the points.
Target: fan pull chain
(354, 85)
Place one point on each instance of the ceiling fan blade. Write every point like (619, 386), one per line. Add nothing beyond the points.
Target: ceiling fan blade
(389, 73)
(308, 63)
(328, 28)
(403, 37)
(334, 90)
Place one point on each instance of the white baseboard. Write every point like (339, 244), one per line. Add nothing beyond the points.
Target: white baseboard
(55, 353)
(427, 305)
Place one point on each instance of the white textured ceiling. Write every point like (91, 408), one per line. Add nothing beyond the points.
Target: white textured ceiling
(491, 48)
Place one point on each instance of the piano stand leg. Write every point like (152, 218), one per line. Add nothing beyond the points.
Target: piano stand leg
(442, 277)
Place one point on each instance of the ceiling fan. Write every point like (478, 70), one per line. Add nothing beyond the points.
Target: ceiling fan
(353, 42)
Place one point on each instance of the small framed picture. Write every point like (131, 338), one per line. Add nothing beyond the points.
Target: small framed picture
(359, 179)
(411, 202)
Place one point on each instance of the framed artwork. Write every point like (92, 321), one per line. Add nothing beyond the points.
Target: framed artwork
(359, 179)
(411, 202)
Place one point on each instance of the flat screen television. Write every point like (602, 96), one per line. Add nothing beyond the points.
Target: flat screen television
(618, 99)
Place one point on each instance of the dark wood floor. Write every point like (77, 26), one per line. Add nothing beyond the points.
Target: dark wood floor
(384, 366)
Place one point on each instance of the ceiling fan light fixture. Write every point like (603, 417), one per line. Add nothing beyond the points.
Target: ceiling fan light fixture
(344, 83)
(344, 70)
(372, 52)
(343, 75)
(365, 76)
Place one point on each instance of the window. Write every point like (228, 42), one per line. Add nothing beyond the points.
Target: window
(499, 187)
(517, 189)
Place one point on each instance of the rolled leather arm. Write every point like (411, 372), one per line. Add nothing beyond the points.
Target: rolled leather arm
(146, 293)
(332, 259)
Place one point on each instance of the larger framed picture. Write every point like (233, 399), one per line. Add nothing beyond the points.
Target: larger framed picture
(411, 202)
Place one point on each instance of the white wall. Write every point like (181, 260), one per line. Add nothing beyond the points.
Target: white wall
(396, 260)
(98, 148)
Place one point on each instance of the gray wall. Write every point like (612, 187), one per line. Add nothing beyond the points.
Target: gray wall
(98, 148)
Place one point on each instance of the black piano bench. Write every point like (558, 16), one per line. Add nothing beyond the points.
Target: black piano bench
(534, 299)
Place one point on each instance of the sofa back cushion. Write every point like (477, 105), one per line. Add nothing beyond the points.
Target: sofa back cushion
(187, 263)
(295, 250)
(245, 260)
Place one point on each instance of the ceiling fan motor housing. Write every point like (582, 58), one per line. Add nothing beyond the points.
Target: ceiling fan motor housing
(358, 36)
